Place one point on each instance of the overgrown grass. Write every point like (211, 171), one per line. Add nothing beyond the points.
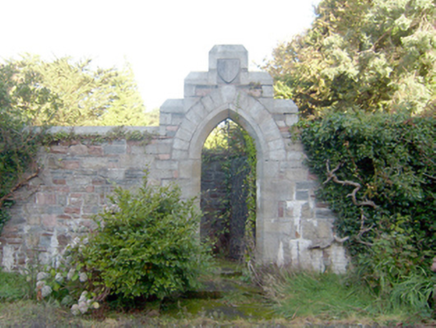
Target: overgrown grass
(13, 286)
(330, 297)
(295, 299)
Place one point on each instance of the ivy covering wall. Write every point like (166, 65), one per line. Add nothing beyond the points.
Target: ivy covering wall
(378, 173)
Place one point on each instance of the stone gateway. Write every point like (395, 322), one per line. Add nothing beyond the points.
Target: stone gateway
(292, 227)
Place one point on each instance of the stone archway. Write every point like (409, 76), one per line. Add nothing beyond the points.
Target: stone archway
(291, 226)
(207, 115)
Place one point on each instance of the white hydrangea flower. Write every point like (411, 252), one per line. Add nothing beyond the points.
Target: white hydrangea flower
(42, 275)
(45, 291)
(95, 305)
(40, 284)
(83, 277)
(71, 274)
(68, 260)
(83, 296)
(59, 277)
(75, 309)
(83, 307)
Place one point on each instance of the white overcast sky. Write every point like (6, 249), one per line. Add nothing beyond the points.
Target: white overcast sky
(163, 40)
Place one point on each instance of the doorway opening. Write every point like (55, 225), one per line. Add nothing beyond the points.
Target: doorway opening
(228, 191)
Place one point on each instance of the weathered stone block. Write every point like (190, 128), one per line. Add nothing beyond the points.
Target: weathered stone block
(196, 114)
(70, 165)
(181, 144)
(319, 231)
(172, 106)
(167, 165)
(178, 154)
(58, 149)
(49, 221)
(165, 118)
(208, 104)
(267, 91)
(95, 150)
(306, 185)
(302, 195)
(45, 198)
(184, 134)
(291, 119)
(277, 155)
(79, 150)
(54, 210)
(284, 106)
(324, 213)
(114, 149)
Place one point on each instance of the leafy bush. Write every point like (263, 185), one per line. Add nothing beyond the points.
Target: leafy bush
(392, 158)
(146, 245)
(379, 174)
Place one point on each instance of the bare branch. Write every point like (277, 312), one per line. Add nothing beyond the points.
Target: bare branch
(22, 182)
(327, 245)
(363, 229)
(357, 186)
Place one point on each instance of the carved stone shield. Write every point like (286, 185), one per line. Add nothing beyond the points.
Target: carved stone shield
(228, 69)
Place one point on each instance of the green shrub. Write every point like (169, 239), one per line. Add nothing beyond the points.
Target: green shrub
(393, 159)
(146, 245)
(388, 162)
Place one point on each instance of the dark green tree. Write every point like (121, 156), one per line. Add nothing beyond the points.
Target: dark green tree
(368, 55)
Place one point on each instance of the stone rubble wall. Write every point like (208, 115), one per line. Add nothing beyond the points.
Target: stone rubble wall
(75, 183)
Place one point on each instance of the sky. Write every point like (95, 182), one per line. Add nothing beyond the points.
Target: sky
(163, 40)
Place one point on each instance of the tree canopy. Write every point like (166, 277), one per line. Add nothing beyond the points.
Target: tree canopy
(371, 55)
(75, 93)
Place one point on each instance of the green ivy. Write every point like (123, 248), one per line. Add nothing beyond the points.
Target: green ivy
(389, 162)
(393, 158)
(115, 133)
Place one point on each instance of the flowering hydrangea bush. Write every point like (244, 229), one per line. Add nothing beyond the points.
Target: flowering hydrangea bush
(66, 282)
(84, 304)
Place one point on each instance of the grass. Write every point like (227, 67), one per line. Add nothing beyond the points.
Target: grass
(13, 286)
(288, 299)
(326, 297)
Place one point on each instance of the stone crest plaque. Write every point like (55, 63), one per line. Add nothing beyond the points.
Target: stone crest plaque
(228, 69)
